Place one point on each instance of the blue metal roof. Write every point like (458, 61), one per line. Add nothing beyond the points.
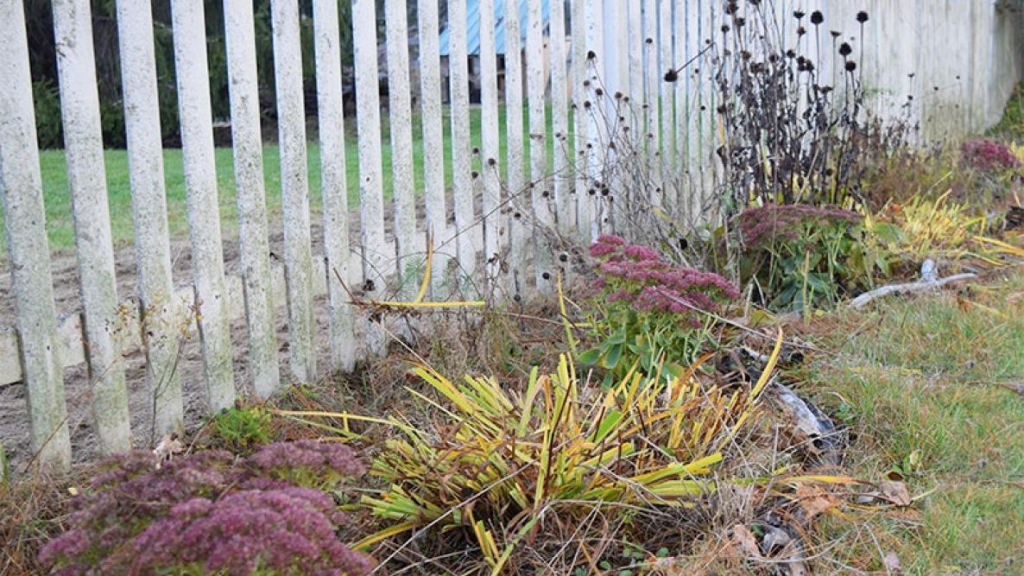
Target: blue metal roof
(473, 25)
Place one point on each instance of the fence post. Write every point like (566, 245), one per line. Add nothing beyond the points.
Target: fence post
(291, 123)
(516, 170)
(462, 166)
(400, 110)
(333, 185)
(371, 195)
(189, 30)
(83, 144)
(543, 213)
(21, 191)
(161, 315)
(247, 144)
(494, 228)
(433, 138)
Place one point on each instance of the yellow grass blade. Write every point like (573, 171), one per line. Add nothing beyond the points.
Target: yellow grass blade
(384, 534)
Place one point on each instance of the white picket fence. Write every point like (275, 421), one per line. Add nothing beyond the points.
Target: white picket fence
(507, 234)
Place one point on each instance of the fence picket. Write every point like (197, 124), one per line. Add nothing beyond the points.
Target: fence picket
(298, 263)
(669, 148)
(514, 137)
(254, 247)
(433, 139)
(333, 184)
(21, 189)
(540, 193)
(652, 103)
(494, 228)
(400, 109)
(189, 29)
(597, 133)
(83, 144)
(371, 194)
(580, 100)
(564, 192)
(462, 180)
(162, 315)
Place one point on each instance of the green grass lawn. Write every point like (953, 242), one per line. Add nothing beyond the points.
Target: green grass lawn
(919, 383)
(59, 223)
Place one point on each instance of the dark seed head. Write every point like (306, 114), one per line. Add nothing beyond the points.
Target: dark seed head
(817, 17)
(851, 66)
(591, 55)
(799, 14)
(862, 16)
(845, 49)
(671, 76)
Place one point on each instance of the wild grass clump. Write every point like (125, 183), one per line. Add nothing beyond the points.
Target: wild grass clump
(650, 315)
(270, 513)
(498, 468)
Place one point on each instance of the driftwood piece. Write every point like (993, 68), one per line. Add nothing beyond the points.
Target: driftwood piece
(929, 281)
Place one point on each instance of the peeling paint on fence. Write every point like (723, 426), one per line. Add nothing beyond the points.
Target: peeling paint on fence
(21, 189)
(333, 183)
(432, 115)
(83, 144)
(494, 226)
(201, 198)
(371, 191)
(514, 137)
(161, 313)
(294, 188)
(402, 181)
(247, 144)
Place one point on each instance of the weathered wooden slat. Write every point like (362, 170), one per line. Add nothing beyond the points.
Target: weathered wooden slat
(597, 117)
(246, 138)
(562, 186)
(433, 140)
(294, 187)
(462, 160)
(400, 109)
(371, 193)
(21, 192)
(163, 315)
(615, 78)
(494, 227)
(669, 149)
(540, 181)
(652, 104)
(333, 182)
(83, 145)
(515, 157)
(193, 79)
(580, 99)
(635, 51)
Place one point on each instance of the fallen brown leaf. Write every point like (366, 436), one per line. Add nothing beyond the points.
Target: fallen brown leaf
(744, 540)
(895, 492)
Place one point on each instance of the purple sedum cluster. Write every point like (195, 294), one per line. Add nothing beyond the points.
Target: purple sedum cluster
(639, 276)
(988, 154)
(213, 513)
(766, 225)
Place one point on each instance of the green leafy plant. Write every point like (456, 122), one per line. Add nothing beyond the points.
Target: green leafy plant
(802, 256)
(241, 429)
(650, 314)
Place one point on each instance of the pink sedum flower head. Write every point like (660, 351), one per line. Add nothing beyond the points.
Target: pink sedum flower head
(213, 513)
(988, 154)
(638, 275)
